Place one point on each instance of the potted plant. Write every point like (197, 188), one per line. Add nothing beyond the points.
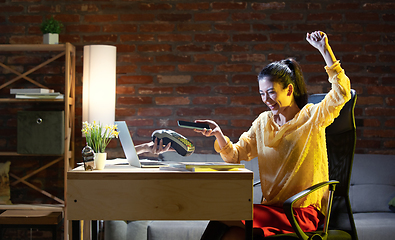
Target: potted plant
(51, 29)
(98, 137)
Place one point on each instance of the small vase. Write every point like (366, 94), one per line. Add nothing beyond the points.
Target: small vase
(100, 160)
(51, 38)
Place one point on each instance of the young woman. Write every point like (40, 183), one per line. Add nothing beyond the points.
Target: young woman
(289, 142)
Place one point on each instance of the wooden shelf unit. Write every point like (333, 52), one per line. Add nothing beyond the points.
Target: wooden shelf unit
(69, 52)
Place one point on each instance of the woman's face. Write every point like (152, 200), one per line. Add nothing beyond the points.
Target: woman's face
(274, 96)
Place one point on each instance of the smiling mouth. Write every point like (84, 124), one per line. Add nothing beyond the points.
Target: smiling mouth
(271, 106)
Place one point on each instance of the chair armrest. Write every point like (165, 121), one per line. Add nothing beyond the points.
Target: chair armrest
(287, 206)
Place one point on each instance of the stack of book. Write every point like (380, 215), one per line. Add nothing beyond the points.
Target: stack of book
(36, 93)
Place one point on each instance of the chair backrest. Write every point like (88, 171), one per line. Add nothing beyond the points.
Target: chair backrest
(340, 141)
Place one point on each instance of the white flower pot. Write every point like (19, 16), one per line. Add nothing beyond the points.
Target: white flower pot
(51, 38)
(100, 160)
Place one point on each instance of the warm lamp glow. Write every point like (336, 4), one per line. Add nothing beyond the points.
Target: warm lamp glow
(99, 84)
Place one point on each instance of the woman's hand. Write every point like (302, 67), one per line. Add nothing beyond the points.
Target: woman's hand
(153, 147)
(317, 39)
(216, 131)
(209, 132)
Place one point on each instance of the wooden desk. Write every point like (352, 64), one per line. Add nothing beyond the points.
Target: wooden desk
(122, 192)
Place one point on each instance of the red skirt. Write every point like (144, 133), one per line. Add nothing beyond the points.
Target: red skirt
(272, 220)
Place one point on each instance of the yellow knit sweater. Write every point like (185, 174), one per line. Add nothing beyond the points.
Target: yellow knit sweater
(292, 157)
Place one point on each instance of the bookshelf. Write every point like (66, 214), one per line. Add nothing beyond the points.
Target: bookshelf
(67, 51)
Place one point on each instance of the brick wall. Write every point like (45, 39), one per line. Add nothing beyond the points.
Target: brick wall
(187, 60)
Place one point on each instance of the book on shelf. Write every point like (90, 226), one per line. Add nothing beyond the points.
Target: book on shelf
(55, 95)
(30, 90)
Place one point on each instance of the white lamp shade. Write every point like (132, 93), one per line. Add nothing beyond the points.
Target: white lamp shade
(99, 84)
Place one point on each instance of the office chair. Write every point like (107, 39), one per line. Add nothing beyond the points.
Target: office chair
(340, 141)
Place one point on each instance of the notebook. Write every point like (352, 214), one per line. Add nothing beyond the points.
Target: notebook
(129, 149)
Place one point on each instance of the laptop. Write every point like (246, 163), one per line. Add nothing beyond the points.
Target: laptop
(129, 149)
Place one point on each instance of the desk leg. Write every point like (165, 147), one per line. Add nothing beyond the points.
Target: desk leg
(249, 229)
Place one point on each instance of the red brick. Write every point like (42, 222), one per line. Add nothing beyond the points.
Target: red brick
(261, 27)
(174, 38)
(125, 90)
(173, 17)
(134, 58)
(134, 100)
(155, 6)
(380, 111)
(101, 18)
(230, 48)
(246, 100)
(378, 6)
(154, 48)
(248, 58)
(306, 6)
(194, 111)
(193, 48)
(369, 100)
(347, 27)
(158, 68)
(174, 79)
(196, 68)
(388, 133)
(268, 6)
(371, 122)
(243, 123)
(125, 111)
(173, 58)
(388, 17)
(342, 6)
(390, 123)
(211, 37)
(356, 37)
(381, 90)
(135, 80)
(154, 112)
(137, 37)
(249, 37)
(82, 8)
(366, 144)
(140, 122)
(386, 58)
(25, 19)
(245, 78)
(229, 5)
(155, 90)
(212, 16)
(137, 17)
(383, 28)
(388, 80)
(239, 27)
(244, 16)
(390, 101)
(119, 28)
(359, 58)
(286, 16)
(13, 8)
(233, 111)
(193, 27)
(12, 29)
(210, 100)
(193, 90)
(210, 58)
(172, 101)
(83, 28)
(234, 68)
(210, 78)
(269, 46)
(157, 27)
(362, 17)
(193, 6)
(379, 48)
(389, 144)
(287, 37)
(126, 69)
(230, 90)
